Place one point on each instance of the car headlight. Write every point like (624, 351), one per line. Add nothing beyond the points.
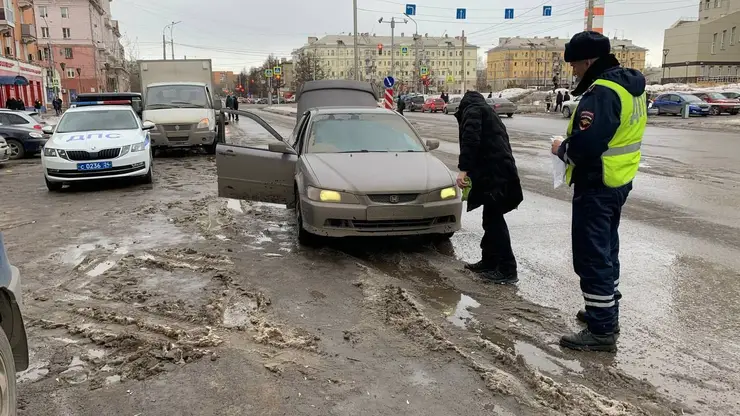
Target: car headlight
(36, 135)
(49, 152)
(326, 195)
(448, 193)
(204, 124)
(138, 147)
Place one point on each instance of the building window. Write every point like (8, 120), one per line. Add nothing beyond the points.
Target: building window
(716, 3)
(71, 73)
(65, 12)
(732, 35)
(67, 52)
(44, 32)
(66, 34)
(43, 12)
(714, 43)
(706, 5)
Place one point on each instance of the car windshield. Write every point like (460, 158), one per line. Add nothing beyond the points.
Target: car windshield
(176, 96)
(97, 120)
(716, 96)
(691, 98)
(362, 132)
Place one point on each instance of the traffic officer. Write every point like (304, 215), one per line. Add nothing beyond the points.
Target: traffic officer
(602, 153)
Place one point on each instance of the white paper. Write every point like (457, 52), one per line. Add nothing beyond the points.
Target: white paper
(558, 167)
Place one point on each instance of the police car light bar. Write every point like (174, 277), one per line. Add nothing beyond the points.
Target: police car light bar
(107, 102)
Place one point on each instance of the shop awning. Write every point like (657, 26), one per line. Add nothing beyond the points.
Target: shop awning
(13, 80)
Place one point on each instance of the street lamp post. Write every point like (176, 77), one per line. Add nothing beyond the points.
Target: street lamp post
(172, 40)
(79, 80)
(393, 41)
(356, 46)
(417, 59)
(665, 55)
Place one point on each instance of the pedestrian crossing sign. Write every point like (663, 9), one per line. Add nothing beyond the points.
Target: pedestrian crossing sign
(268, 73)
(404, 50)
(277, 70)
(424, 70)
(450, 79)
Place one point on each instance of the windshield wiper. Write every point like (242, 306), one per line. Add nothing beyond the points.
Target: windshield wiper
(154, 106)
(186, 103)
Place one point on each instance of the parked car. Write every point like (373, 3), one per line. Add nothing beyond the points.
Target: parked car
(414, 102)
(731, 94)
(720, 103)
(452, 105)
(570, 106)
(261, 101)
(13, 340)
(433, 105)
(290, 99)
(23, 141)
(502, 106)
(675, 102)
(30, 119)
(4, 150)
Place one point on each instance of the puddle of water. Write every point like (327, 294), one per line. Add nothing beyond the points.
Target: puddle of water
(101, 268)
(34, 373)
(95, 353)
(234, 205)
(545, 362)
(178, 282)
(461, 316)
(113, 379)
(261, 239)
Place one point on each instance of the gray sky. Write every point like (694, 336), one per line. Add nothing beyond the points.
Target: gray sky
(241, 33)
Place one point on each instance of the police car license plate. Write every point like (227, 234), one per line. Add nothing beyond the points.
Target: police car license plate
(94, 166)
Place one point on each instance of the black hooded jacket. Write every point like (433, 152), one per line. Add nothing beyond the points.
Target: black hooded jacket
(485, 154)
(597, 118)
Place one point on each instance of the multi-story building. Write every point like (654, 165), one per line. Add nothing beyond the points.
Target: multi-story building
(704, 49)
(528, 62)
(81, 47)
(224, 80)
(442, 58)
(20, 75)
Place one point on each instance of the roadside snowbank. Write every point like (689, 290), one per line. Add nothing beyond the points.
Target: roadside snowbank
(691, 87)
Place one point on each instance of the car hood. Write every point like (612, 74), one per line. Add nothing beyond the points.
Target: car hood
(378, 172)
(95, 140)
(176, 115)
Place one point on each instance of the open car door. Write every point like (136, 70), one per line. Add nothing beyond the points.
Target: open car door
(255, 174)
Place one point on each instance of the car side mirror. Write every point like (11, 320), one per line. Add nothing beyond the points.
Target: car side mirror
(432, 144)
(280, 148)
(217, 104)
(48, 129)
(147, 125)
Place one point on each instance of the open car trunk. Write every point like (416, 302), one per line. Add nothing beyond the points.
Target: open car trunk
(335, 93)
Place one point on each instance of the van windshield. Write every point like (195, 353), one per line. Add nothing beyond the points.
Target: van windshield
(176, 96)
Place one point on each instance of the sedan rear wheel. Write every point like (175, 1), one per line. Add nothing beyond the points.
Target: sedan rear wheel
(16, 149)
(566, 112)
(716, 111)
(7, 377)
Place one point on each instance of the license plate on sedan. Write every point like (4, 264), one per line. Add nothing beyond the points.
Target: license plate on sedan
(94, 166)
(395, 212)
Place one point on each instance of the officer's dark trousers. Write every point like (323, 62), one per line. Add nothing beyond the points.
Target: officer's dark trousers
(496, 242)
(595, 234)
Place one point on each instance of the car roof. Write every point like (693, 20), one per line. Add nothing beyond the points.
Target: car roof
(98, 108)
(159, 84)
(108, 95)
(351, 110)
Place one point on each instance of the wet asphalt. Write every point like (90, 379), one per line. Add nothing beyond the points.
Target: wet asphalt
(680, 254)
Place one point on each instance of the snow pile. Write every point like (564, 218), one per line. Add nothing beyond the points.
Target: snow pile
(511, 92)
(282, 109)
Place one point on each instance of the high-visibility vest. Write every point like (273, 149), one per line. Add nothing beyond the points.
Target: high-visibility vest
(622, 159)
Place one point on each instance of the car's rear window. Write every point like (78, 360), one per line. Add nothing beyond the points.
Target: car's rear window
(419, 100)
(97, 120)
(362, 132)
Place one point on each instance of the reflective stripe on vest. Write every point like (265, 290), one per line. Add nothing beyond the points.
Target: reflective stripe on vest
(622, 159)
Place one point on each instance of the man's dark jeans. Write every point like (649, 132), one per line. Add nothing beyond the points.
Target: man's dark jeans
(496, 242)
(595, 240)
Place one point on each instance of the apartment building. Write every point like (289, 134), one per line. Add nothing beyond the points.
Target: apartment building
(224, 80)
(442, 57)
(538, 61)
(20, 74)
(704, 49)
(80, 44)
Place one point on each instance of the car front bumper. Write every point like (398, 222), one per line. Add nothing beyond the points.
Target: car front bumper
(190, 138)
(57, 169)
(347, 220)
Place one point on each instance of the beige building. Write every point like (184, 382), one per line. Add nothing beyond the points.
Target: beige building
(705, 49)
(537, 62)
(442, 57)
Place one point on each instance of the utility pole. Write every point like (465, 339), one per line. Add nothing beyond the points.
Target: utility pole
(357, 47)
(417, 59)
(462, 77)
(164, 47)
(393, 41)
(590, 15)
(172, 40)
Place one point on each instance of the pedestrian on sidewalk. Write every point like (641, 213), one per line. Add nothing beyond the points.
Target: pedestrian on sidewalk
(602, 155)
(235, 106)
(486, 158)
(559, 102)
(566, 96)
(548, 101)
(57, 104)
(230, 106)
(401, 103)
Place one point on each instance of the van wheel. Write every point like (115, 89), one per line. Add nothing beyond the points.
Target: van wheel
(510, 115)
(211, 148)
(8, 394)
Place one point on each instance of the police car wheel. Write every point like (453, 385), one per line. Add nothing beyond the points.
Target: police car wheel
(443, 237)
(53, 186)
(147, 179)
(510, 115)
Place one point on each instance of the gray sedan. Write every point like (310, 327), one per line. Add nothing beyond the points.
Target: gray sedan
(452, 105)
(502, 106)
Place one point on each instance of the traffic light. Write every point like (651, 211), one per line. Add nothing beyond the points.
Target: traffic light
(380, 49)
(277, 77)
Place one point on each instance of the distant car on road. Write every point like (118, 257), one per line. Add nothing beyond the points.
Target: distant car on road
(99, 142)
(414, 102)
(23, 141)
(452, 105)
(675, 102)
(13, 340)
(570, 106)
(502, 106)
(731, 94)
(720, 103)
(347, 170)
(433, 105)
(261, 101)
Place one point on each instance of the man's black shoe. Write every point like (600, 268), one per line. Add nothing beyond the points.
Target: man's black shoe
(587, 341)
(581, 317)
(498, 277)
(479, 267)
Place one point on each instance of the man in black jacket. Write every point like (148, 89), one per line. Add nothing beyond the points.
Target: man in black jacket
(486, 158)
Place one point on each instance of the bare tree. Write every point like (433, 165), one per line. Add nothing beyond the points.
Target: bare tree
(131, 55)
(307, 68)
(481, 76)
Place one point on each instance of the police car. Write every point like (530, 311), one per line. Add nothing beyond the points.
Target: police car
(99, 140)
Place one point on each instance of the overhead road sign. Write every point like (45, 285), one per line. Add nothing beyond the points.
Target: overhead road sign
(404, 50)
(460, 14)
(508, 13)
(268, 73)
(277, 70)
(450, 79)
(547, 10)
(388, 82)
(411, 9)
(424, 70)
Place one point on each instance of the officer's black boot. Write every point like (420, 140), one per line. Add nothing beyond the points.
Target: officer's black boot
(480, 267)
(499, 277)
(588, 341)
(581, 317)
